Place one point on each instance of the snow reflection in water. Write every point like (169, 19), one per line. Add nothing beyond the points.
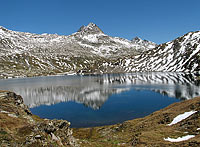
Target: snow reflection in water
(117, 97)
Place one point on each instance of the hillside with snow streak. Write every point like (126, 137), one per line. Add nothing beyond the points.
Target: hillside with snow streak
(88, 50)
(91, 51)
(179, 55)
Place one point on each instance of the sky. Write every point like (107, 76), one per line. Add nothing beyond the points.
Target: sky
(155, 20)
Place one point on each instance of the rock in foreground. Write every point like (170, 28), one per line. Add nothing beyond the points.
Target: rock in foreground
(175, 125)
(19, 127)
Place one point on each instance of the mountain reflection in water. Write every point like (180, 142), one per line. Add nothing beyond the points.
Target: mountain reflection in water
(93, 91)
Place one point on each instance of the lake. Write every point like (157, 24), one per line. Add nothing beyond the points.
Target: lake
(88, 101)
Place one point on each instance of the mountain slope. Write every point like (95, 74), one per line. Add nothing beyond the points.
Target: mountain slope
(90, 50)
(179, 55)
(92, 36)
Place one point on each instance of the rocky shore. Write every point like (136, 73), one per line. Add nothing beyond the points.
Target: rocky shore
(175, 125)
(19, 127)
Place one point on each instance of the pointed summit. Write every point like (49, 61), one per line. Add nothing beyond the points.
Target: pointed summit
(136, 40)
(145, 43)
(3, 29)
(91, 28)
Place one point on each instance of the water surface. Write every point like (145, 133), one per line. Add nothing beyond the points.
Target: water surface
(88, 101)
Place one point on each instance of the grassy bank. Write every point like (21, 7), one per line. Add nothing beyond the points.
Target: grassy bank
(19, 127)
(148, 131)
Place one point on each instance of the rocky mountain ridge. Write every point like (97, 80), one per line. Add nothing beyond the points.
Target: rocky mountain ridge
(179, 55)
(90, 50)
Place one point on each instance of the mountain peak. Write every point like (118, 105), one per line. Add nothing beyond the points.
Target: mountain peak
(137, 39)
(3, 29)
(91, 24)
(91, 28)
(147, 44)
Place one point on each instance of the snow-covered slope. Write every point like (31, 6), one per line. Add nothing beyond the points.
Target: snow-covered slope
(27, 54)
(92, 36)
(146, 45)
(90, 50)
(181, 54)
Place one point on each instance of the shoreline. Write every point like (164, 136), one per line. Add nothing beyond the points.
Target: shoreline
(19, 126)
(92, 74)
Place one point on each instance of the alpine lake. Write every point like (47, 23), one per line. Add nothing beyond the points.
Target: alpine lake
(96, 100)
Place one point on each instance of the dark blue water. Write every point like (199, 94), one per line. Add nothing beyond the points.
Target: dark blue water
(88, 101)
(118, 108)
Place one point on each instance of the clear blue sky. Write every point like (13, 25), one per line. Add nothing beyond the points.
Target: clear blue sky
(156, 20)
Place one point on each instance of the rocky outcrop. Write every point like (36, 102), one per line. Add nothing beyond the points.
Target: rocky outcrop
(91, 28)
(145, 43)
(19, 127)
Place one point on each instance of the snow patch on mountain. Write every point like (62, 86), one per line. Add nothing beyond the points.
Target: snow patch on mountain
(92, 36)
(179, 139)
(27, 54)
(181, 117)
(179, 55)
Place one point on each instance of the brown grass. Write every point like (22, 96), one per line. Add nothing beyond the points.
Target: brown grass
(148, 131)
